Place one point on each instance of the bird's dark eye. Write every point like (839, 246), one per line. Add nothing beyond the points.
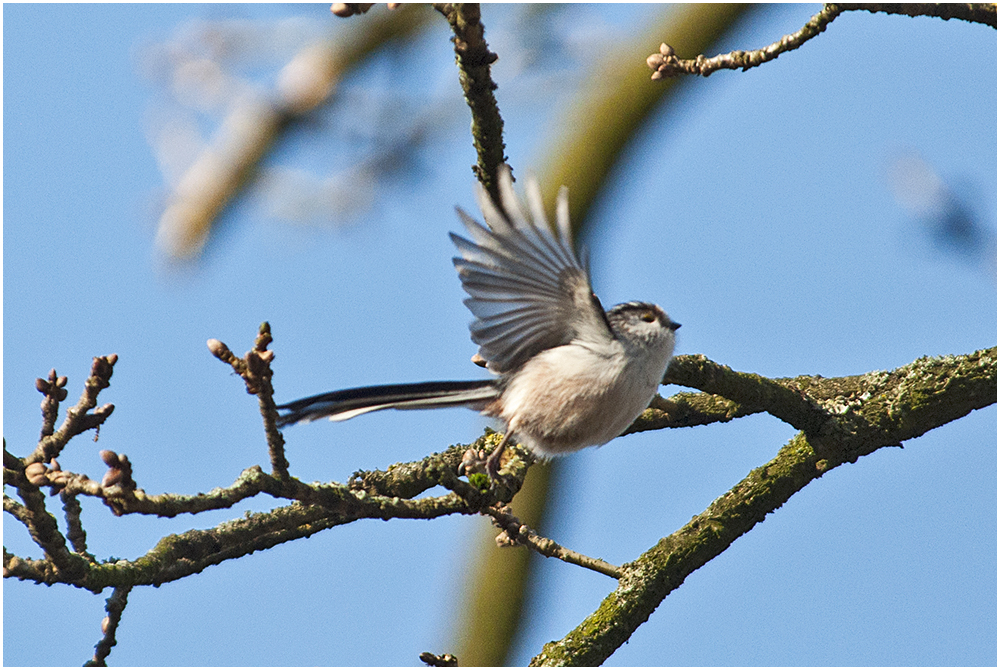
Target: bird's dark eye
(648, 317)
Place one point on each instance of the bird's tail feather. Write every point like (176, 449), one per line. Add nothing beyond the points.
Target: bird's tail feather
(342, 405)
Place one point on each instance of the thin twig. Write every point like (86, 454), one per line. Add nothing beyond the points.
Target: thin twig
(517, 533)
(255, 369)
(78, 418)
(260, 361)
(667, 64)
(52, 389)
(109, 626)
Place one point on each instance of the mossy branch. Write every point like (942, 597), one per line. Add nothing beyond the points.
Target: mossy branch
(872, 411)
(843, 418)
(474, 58)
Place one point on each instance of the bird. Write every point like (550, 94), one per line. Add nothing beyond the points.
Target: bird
(567, 373)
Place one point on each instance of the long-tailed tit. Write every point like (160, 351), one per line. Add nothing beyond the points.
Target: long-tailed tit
(569, 374)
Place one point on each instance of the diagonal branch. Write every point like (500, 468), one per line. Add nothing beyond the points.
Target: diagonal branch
(667, 64)
(883, 409)
(751, 392)
(516, 533)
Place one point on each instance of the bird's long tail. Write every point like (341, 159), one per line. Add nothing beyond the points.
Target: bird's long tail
(341, 405)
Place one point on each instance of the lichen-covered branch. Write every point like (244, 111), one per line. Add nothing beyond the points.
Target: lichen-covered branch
(474, 58)
(873, 411)
(841, 419)
(665, 63)
(973, 12)
(684, 410)
(74, 525)
(177, 556)
(752, 392)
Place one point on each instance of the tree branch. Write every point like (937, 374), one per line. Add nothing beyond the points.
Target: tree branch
(474, 58)
(115, 606)
(255, 125)
(78, 419)
(751, 392)
(973, 12)
(875, 410)
(516, 533)
(255, 369)
(667, 64)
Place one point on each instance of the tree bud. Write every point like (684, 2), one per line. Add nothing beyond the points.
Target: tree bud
(37, 474)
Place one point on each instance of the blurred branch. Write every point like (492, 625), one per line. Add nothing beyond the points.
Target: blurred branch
(597, 130)
(884, 409)
(348, 9)
(940, 211)
(474, 58)
(255, 124)
(667, 64)
(609, 115)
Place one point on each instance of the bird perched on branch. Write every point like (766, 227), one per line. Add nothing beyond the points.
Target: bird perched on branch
(569, 374)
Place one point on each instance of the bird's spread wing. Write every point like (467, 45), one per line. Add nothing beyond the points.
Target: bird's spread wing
(528, 288)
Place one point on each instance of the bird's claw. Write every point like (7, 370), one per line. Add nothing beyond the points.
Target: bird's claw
(473, 461)
(477, 460)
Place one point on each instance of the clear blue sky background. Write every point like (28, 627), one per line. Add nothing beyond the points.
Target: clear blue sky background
(758, 214)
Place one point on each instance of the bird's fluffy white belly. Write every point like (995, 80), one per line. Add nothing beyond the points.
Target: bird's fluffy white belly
(574, 384)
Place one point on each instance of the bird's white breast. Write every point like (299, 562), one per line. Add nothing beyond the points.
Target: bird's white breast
(579, 395)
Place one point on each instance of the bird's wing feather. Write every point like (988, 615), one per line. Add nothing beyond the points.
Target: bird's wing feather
(528, 288)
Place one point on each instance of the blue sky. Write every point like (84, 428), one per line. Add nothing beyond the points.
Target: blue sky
(758, 212)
